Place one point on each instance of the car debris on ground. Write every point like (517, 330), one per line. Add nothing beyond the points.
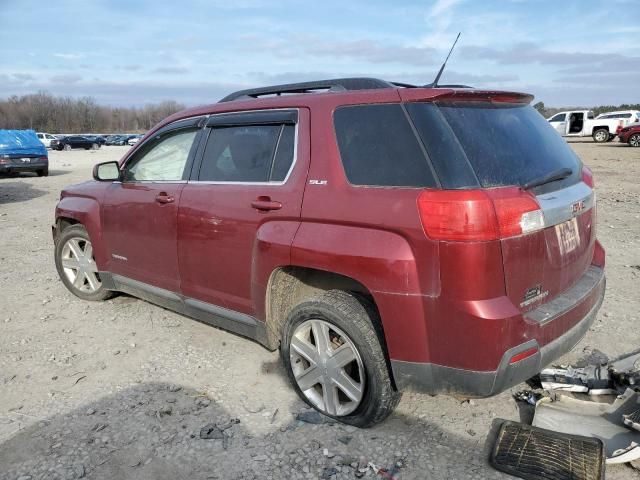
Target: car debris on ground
(615, 423)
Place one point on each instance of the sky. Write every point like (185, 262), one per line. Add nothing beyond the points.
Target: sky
(135, 52)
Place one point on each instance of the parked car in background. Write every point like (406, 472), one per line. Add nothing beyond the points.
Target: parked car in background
(383, 238)
(74, 141)
(630, 134)
(99, 139)
(45, 138)
(133, 140)
(22, 151)
(582, 123)
(116, 140)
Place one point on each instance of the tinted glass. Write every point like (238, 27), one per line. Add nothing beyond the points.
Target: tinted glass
(284, 154)
(508, 144)
(163, 160)
(445, 152)
(559, 118)
(240, 154)
(378, 147)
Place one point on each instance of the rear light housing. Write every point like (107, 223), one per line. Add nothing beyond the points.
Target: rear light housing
(479, 215)
(587, 176)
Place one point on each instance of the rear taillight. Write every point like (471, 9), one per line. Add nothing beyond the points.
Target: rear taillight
(4, 159)
(479, 215)
(587, 176)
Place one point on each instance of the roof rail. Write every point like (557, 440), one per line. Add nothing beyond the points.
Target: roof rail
(334, 85)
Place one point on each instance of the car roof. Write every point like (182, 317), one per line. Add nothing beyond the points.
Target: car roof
(333, 99)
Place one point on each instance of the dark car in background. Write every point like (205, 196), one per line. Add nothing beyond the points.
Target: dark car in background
(116, 140)
(630, 134)
(22, 151)
(99, 139)
(74, 141)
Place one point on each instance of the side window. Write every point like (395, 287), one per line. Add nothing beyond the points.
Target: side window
(559, 118)
(590, 115)
(162, 160)
(248, 153)
(378, 147)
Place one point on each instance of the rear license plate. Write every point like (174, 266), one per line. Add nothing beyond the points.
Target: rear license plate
(568, 236)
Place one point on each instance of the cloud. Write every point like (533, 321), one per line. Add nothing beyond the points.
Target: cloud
(441, 7)
(363, 50)
(530, 53)
(68, 56)
(171, 70)
(23, 77)
(66, 79)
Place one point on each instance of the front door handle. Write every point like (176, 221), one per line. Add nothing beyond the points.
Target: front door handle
(163, 198)
(264, 204)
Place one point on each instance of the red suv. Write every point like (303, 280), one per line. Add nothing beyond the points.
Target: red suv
(630, 134)
(383, 236)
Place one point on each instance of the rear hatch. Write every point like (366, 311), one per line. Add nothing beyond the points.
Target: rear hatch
(534, 180)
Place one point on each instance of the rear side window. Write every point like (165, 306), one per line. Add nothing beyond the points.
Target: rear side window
(505, 144)
(248, 153)
(379, 148)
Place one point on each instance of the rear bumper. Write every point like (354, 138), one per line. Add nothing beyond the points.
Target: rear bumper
(433, 378)
(29, 167)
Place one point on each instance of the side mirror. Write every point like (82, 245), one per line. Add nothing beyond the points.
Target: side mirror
(106, 172)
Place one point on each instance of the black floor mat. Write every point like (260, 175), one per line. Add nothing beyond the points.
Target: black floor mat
(538, 454)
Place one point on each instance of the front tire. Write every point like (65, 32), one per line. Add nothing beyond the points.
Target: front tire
(634, 140)
(334, 358)
(76, 265)
(601, 135)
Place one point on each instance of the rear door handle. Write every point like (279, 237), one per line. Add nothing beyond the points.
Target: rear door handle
(265, 204)
(163, 198)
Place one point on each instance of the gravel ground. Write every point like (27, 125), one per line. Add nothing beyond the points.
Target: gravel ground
(122, 389)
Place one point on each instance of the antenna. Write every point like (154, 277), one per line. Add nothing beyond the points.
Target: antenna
(435, 82)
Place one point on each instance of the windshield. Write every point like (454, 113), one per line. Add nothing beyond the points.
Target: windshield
(505, 144)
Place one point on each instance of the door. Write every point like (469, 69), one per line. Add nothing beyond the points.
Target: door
(575, 124)
(248, 186)
(559, 122)
(140, 213)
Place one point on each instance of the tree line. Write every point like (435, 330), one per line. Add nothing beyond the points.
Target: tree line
(44, 112)
(547, 112)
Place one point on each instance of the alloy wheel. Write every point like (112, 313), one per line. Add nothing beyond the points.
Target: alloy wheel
(601, 136)
(79, 265)
(327, 367)
(634, 141)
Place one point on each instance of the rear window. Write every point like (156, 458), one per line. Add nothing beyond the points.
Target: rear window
(503, 144)
(378, 147)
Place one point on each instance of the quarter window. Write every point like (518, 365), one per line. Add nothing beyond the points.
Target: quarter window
(163, 160)
(248, 153)
(378, 147)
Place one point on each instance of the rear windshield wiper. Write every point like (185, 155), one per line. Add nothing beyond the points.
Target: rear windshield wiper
(559, 174)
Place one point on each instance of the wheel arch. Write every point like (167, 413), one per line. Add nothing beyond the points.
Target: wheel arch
(291, 285)
(72, 210)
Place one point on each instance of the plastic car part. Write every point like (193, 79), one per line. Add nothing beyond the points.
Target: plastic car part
(600, 420)
(632, 420)
(535, 453)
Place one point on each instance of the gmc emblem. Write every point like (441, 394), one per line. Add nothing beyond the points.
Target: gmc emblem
(577, 207)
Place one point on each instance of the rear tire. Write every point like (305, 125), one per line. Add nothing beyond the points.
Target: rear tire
(349, 323)
(634, 140)
(75, 262)
(43, 173)
(601, 135)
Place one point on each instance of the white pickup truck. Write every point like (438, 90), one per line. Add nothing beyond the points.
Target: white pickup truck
(582, 123)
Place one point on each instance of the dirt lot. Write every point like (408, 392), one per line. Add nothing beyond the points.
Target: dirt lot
(121, 389)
